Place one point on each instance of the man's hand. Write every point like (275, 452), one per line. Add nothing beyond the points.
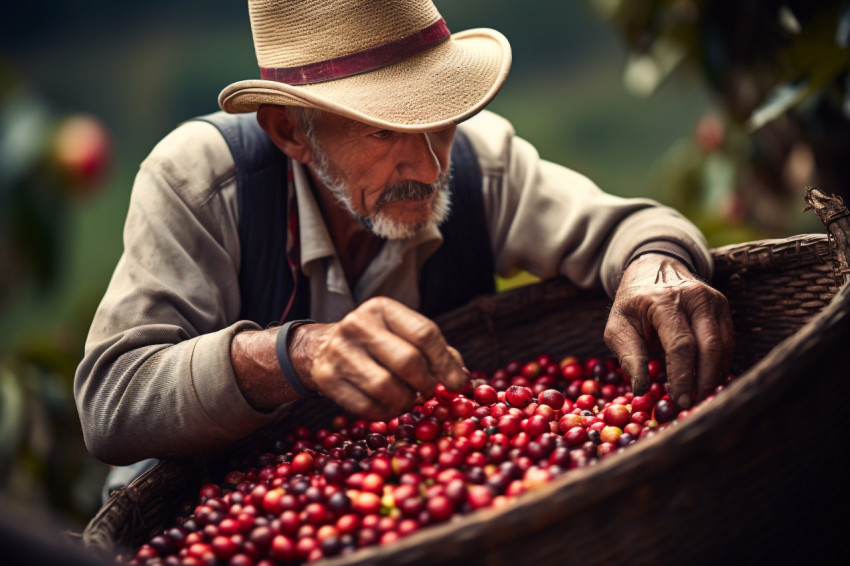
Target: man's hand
(660, 303)
(375, 360)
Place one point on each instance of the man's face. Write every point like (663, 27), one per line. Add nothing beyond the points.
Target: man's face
(395, 183)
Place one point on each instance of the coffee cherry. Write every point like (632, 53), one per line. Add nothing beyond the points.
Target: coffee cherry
(551, 398)
(644, 403)
(240, 560)
(485, 395)
(367, 502)
(591, 387)
(610, 434)
(625, 439)
(518, 396)
(428, 428)
(655, 368)
(536, 425)
(665, 411)
(617, 415)
(302, 463)
(509, 425)
(327, 491)
(658, 390)
(442, 394)
(532, 370)
(461, 407)
(223, 547)
(586, 402)
(576, 436)
(634, 429)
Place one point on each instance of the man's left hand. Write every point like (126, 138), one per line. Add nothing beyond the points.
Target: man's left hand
(659, 303)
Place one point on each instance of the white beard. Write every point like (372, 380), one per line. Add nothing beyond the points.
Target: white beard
(380, 223)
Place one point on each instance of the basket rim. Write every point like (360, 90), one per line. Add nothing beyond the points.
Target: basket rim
(684, 435)
(571, 486)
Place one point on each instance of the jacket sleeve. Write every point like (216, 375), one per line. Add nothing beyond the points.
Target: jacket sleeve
(156, 378)
(550, 220)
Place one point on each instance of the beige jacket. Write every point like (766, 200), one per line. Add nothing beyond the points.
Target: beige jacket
(156, 379)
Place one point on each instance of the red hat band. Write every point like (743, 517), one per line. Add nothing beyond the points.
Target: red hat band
(360, 61)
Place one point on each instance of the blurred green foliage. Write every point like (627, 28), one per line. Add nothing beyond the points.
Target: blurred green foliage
(141, 68)
(44, 466)
(777, 71)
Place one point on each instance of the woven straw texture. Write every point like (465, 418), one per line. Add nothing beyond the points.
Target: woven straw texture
(333, 28)
(750, 477)
(436, 88)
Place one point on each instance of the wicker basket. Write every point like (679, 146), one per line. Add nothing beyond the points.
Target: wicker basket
(754, 475)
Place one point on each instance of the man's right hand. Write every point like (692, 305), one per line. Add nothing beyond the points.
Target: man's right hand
(375, 360)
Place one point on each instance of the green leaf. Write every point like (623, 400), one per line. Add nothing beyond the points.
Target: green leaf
(644, 72)
(11, 412)
(778, 102)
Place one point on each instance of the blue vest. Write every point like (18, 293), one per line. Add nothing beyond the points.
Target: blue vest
(460, 269)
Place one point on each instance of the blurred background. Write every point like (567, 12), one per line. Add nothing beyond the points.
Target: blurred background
(725, 110)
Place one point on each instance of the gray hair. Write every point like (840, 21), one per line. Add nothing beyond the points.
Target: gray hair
(307, 117)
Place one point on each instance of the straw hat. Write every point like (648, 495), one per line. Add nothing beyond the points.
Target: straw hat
(389, 63)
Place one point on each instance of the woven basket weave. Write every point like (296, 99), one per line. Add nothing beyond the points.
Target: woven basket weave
(753, 475)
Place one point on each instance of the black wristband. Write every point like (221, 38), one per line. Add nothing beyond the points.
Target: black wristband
(282, 345)
(664, 247)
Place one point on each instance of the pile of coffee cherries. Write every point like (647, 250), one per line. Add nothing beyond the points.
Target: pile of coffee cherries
(328, 492)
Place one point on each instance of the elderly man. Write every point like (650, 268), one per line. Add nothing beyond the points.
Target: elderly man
(299, 242)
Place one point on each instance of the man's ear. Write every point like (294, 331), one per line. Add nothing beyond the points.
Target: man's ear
(286, 132)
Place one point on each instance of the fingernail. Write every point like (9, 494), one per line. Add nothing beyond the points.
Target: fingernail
(684, 401)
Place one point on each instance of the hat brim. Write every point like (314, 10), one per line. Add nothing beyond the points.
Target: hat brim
(440, 87)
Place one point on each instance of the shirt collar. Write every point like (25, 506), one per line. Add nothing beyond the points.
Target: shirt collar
(316, 242)
(314, 238)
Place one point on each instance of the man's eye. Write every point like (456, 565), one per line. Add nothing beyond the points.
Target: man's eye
(380, 134)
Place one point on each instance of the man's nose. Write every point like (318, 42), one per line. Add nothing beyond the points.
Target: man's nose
(422, 159)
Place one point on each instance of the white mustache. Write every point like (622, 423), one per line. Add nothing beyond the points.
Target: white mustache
(412, 190)
(407, 190)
